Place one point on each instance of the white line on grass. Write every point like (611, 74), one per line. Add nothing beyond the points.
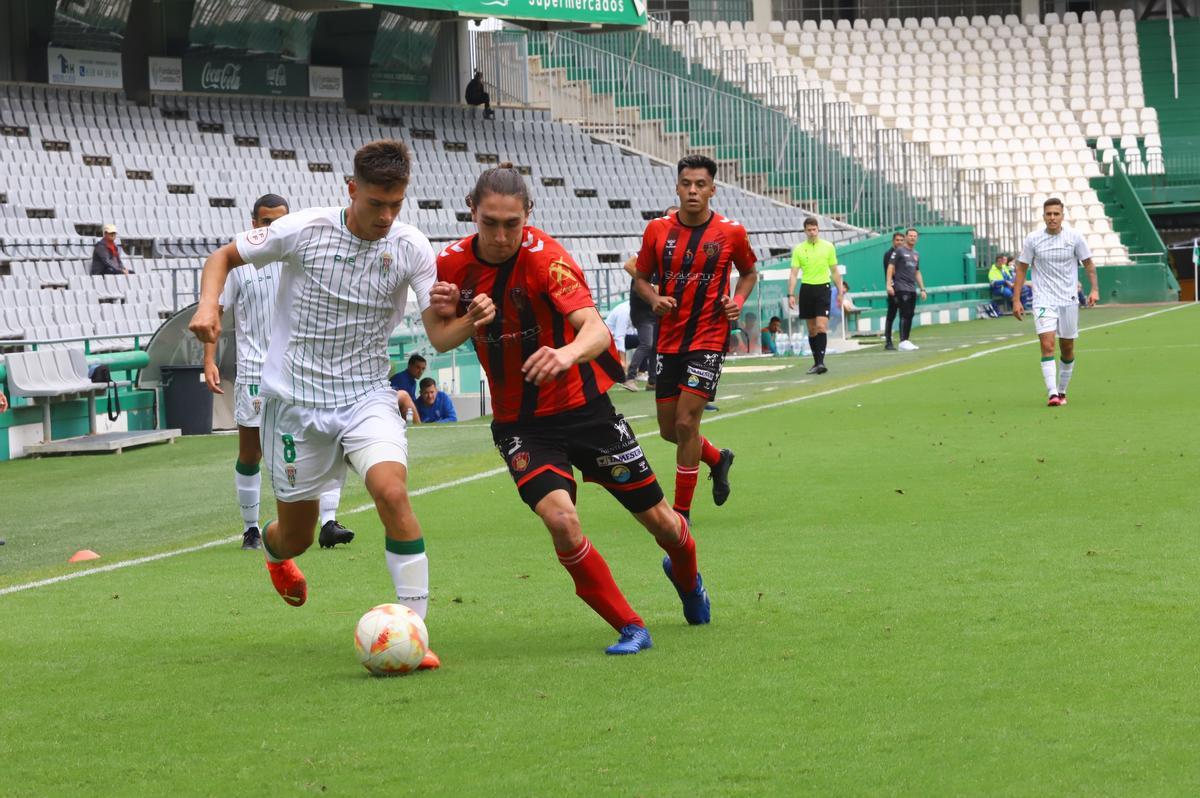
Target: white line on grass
(495, 471)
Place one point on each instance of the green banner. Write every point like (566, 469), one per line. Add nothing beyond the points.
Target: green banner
(605, 12)
(224, 75)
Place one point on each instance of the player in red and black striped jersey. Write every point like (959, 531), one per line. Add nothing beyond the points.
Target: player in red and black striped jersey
(693, 252)
(549, 359)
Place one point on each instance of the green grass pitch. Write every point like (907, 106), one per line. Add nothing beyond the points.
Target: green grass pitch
(925, 583)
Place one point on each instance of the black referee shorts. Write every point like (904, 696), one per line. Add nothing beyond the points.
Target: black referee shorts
(813, 301)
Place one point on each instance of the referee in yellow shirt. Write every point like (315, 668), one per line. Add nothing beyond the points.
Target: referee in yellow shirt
(816, 261)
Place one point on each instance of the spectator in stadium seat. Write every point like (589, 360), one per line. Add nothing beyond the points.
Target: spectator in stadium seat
(476, 95)
(848, 305)
(106, 255)
(407, 380)
(768, 336)
(3, 402)
(434, 406)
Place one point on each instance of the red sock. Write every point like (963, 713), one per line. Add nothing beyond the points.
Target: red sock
(683, 557)
(595, 585)
(685, 486)
(709, 455)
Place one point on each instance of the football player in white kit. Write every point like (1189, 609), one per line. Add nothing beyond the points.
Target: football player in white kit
(1056, 252)
(346, 275)
(250, 292)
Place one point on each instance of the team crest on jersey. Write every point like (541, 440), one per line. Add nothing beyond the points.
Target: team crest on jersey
(562, 279)
(519, 300)
(385, 260)
(520, 461)
(291, 474)
(256, 236)
(711, 249)
(257, 405)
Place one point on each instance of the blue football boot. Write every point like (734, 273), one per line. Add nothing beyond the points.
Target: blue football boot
(696, 607)
(633, 639)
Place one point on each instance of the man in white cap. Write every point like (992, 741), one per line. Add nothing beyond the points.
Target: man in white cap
(106, 256)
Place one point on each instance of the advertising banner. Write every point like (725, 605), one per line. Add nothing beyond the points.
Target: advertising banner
(223, 75)
(325, 82)
(95, 68)
(586, 12)
(166, 74)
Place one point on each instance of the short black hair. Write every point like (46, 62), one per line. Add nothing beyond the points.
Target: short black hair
(775, 319)
(268, 201)
(415, 359)
(426, 382)
(811, 221)
(1052, 201)
(897, 233)
(912, 230)
(697, 162)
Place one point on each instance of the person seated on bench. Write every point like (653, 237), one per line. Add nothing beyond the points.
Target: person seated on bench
(768, 336)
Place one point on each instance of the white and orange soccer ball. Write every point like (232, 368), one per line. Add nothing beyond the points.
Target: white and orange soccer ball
(391, 639)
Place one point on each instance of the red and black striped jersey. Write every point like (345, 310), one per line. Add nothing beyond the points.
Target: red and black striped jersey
(693, 264)
(533, 293)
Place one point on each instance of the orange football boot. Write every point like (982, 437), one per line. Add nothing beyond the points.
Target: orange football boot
(289, 581)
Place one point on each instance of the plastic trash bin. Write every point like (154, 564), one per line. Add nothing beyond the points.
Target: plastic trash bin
(187, 402)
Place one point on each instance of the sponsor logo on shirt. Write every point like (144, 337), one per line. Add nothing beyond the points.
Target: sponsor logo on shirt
(562, 279)
(621, 474)
(691, 277)
(693, 381)
(256, 236)
(701, 373)
(348, 261)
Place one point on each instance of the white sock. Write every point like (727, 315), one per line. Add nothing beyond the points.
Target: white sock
(410, 575)
(329, 505)
(1048, 375)
(1064, 375)
(248, 490)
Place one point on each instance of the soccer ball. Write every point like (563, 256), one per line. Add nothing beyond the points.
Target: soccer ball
(391, 639)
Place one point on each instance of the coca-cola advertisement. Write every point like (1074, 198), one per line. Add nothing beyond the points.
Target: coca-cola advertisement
(223, 75)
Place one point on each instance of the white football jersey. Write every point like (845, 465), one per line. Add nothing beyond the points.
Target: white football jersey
(250, 293)
(1055, 260)
(339, 299)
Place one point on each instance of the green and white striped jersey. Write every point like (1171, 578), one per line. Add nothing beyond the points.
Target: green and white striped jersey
(250, 293)
(339, 299)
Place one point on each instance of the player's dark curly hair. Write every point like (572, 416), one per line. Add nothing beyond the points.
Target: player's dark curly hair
(697, 162)
(386, 163)
(504, 180)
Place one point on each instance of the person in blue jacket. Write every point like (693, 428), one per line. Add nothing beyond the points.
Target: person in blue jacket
(434, 406)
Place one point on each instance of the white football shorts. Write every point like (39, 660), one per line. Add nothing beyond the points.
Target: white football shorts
(247, 405)
(307, 448)
(1062, 320)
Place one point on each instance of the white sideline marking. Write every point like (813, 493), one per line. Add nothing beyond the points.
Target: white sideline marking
(495, 471)
(188, 550)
